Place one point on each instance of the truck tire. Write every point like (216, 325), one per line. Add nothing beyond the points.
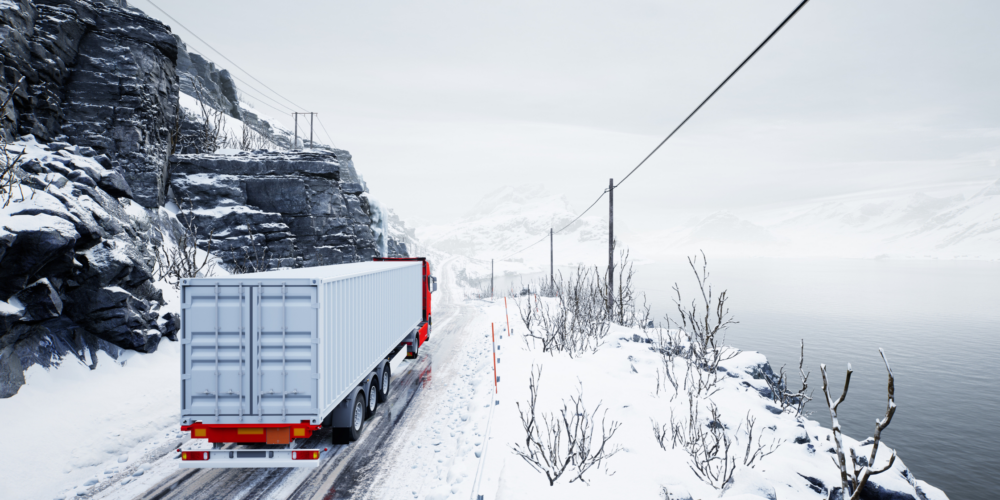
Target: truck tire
(357, 419)
(372, 398)
(383, 393)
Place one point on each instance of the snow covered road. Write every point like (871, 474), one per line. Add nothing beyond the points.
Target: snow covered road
(402, 452)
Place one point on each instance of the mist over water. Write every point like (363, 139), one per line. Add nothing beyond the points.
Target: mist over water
(938, 322)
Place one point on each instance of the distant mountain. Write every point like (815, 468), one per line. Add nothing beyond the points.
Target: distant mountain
(514, 217)
(914, 225)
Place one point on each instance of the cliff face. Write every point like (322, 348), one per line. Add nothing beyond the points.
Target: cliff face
(96, 74)
(295, 208)
(96, 112)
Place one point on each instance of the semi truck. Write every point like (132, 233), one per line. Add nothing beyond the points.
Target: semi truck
(269, 358)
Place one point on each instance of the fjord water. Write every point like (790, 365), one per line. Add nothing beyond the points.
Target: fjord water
(938, 321)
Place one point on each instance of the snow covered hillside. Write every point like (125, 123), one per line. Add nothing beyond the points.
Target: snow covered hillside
(951, 222)
(773, 454)
(514, 217)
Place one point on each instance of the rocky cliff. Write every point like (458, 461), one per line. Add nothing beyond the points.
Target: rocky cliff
(295, 208)
(96, 117)
(96, 74)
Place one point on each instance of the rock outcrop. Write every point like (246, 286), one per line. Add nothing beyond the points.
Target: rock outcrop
(96, 74)
(293, 205)
(75, 265)
(96, 109)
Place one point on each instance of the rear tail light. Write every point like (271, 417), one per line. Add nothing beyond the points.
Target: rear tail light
(305, 455)
(194, 455)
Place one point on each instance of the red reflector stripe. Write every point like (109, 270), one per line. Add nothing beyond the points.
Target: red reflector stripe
(194, 455)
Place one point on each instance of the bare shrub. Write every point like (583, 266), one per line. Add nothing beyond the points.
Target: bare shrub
(703, 323)
(10, 160)
(577, 322)
(180, 260)
(257, 258)
(564, 444)
(782, 396)
(670, 348)
(212, 131)
(756, 451)
(711, 452)
(853, 479)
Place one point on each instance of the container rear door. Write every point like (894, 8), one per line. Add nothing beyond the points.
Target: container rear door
(285, 376)
(216, 351)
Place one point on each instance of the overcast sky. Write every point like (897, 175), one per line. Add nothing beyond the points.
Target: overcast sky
(441, 102)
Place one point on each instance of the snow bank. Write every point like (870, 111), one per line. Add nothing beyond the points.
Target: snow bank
(68, 426)
(622, 377)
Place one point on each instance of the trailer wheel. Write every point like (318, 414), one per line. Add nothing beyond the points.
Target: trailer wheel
(372, 398)
(357, 418)
(384, 392)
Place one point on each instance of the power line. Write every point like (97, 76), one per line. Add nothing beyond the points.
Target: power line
(560, 229)
(789, 18)
(324, 131)
(797, 9)
(221, 54)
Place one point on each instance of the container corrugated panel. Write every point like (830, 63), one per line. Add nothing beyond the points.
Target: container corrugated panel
(287, 346)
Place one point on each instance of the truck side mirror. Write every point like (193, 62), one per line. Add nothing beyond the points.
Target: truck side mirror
(434, 284)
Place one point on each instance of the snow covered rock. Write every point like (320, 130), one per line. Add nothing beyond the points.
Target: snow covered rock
(98, 75)
(75, 266)
(293, 204)
(39, 300)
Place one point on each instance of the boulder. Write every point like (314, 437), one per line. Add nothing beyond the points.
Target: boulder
(43, 246)
(39, 301)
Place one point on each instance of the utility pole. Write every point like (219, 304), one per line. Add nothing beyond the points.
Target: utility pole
(611, 246)
(311, 129)
(295, 141)
(552, 260)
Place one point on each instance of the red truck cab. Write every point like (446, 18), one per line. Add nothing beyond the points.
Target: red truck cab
(429, 287)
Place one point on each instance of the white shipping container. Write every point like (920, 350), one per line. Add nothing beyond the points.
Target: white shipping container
(287, 346)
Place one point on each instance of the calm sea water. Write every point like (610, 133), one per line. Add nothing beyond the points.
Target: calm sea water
(938, 321)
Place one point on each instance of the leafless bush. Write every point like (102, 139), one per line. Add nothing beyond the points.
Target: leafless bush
(853, 480)
(577, 322)
(180, 260)
(708, 446)
(784, 398)
(256, 255)
(212, 131)
(702, 323)
(248, 140)
(9, 160)
(670, 347)
(756, 451)
(564, 443)
(710, 449)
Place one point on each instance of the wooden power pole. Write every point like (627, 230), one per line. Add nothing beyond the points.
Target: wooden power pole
(611, 246)
(311, 129)
(552, 260)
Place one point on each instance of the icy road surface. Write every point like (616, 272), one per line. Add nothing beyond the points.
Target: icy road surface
(422, 443)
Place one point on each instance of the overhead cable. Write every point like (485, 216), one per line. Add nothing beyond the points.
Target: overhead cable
(716, 90)
(560, 229)
(320, 120)
(674, 131)
(221, 54)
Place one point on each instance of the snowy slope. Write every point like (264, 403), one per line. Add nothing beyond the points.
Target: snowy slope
(943, 222)
(621, 377)
(514, 217)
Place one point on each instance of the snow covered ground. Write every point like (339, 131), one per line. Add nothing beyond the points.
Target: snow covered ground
(117, 426)
(72, 428)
